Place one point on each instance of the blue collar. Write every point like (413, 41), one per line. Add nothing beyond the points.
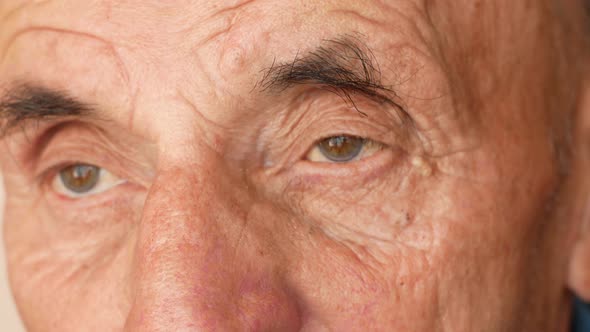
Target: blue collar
(581, 317)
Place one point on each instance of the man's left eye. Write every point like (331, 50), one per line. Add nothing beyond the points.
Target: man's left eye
(343, 149)
(80, 180)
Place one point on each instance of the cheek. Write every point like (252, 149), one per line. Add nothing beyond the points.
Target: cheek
(346, 277)
(410, 242)
(365, 251)
(65, 268)
(373, 211)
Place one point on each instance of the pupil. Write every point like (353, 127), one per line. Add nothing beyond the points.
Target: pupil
(341, 148)
(80, 178)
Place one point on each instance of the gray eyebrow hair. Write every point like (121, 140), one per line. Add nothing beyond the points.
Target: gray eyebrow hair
(28, 102)
(345, 66)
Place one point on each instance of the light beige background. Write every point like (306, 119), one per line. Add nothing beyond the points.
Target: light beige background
(9, 320)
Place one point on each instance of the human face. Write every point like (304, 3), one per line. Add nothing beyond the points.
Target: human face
(199, 165)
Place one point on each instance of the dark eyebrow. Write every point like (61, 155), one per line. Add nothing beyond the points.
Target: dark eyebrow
(345, 66)
(26, 102)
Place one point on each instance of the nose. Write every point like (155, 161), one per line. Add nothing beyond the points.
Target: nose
(198, 265)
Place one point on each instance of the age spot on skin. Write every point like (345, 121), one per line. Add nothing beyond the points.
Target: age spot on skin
(233, 60)
(237, 48)
(422, 166)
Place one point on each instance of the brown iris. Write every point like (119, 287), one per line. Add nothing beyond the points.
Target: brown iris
(341, 148)
(80, 178)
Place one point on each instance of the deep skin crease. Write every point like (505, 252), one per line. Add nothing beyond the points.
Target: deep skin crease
(468, 219)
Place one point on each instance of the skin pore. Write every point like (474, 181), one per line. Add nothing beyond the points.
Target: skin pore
(216, 211)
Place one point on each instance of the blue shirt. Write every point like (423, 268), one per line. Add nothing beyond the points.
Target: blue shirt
(581, 317)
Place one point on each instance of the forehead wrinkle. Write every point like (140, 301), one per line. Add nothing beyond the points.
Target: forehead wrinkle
(124, 73)
(414, 16)
(110, 52)
(231, 15)
(413, 23)
(12, 12)
(233, 8)
(235, 50)
(417, 16)
(19, 7)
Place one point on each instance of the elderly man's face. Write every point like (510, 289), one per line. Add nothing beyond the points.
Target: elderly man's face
(286, 165)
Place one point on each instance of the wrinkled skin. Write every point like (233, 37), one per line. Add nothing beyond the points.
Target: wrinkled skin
(468, 220)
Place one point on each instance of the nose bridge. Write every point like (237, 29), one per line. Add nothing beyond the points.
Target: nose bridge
(180, 254)
(189, 273)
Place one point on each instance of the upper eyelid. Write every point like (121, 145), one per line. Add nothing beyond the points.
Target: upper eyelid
(29, 144)
(320, 104)
(52, 145)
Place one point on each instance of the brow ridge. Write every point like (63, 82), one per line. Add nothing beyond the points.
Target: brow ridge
(345, 66)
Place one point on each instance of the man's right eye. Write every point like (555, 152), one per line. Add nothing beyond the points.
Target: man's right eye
(81, 180)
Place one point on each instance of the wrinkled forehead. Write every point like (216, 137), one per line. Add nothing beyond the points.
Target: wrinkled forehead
(223, 41)
(245, 27)
(216, 41)
(176, 23)
(239, 34)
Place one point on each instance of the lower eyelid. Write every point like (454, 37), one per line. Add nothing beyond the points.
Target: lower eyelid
(124, 195)
(347, 175)
(90, 200)
(364, 158)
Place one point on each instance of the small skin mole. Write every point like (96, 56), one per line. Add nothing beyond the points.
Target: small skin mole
(422, 165)
(409, 218)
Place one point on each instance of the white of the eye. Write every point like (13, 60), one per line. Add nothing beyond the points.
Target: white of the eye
(106, 181)
(368, 149)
